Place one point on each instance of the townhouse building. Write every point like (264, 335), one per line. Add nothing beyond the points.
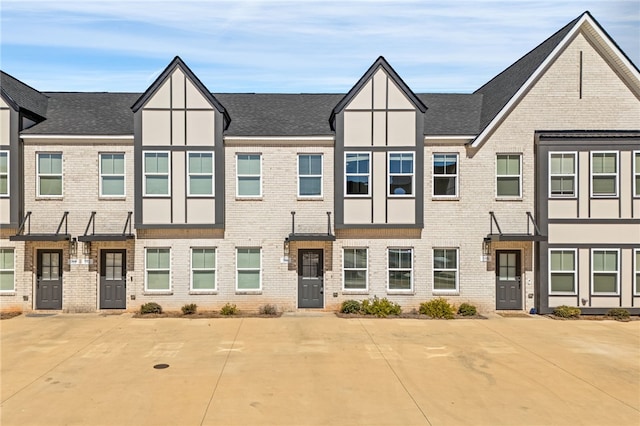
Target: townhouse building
(523, 194)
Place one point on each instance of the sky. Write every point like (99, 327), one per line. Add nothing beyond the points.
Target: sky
(450, 46)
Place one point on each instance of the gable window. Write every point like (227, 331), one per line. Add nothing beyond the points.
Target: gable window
(309, 175)
(400, 269)
(605, 271)
(445, 175)
(562, 271)
(508, 175)
(156, 173)
(200, 170)
(4, 173)
(112, 175)
(445, 269)
(203, 269)
(249, 175)
(157, 269)
(637, 274)
(401, 173)
(49, 174)
(7, 270)
(562, 174)
(357, 173)
(636, 172)
(248, 269)
(604, 174)
(354, 276)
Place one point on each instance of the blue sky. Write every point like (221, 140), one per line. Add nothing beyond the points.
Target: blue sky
(286, 46)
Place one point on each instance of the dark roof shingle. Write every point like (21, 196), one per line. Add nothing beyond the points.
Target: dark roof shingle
(22, 95)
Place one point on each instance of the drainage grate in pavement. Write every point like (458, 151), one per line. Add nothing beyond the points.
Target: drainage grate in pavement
(161, 366)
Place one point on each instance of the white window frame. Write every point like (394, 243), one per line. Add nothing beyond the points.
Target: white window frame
(214, 270)
(259, 269)
(123, 174)
(412, 174)
(7, 174)
(394, 290)
(311, 175)
(12, 269)
(61, 175)
(562, 271)
(190, 174)
(616, 174)
(617, 272)
(519, 175)
(435, 175)
(636, 174)
(147, 269)
(368, 174)
(574, 175)
(456, 270)
(238, 175)
(636, 274)
(365, 269)
(145, 174)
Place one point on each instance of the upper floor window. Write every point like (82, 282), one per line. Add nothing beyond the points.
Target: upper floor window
(636, 172)
(249, 175)
(562, 174)
(445, 175)
(401, 173)
(605, 271)
(158, 269)
(604, 174)
(562, 271)
(357, 171)
(112, 175)
(200, 169)
(4, 173)
(400, 269)
(203, 269)
(7, 269)
(354, 276)
(156, 173)
(49, 174)
(445, 269)
(508, 175)
(309, 175)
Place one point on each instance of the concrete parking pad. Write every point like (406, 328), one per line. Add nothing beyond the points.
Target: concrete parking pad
(318, 370)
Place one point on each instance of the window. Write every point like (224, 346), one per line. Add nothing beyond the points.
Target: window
(7, 270)
(562, 174)
(112, 175)
(156, 173)
(604, 267)
(400, 269)
(357, 173)
(200, 174)
(604, 174)
(309, 175)
(249, 178)
(445, 269)
(445, 175)
(508, 175)
(562, 271)
(637, 276)
(400, 174)
(636, 172)
(158, 269)
(50, 175)
(203, 269)
(355, 269)
(248, 269)
(4, 173)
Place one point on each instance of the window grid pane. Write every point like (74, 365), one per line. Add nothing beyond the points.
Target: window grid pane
(248, 175)
(605, 271)
(562, 271)
(357, 174)
(7, 282)
(445, 174)
(248, 268)
(309, 175)
(400, 269)
(156, 170)
(562, 174)
(445, 269)
(200, 173)
(50, 174)
(401, 174)
(508, 175)
(604, 174)
(355, 269)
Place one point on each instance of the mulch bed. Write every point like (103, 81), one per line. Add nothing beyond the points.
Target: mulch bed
(205, 314)
(594, 318)
(9, 315)
(407, 316)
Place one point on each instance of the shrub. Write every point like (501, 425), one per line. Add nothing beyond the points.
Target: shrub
(618, 313)
(467, 310)
(268, 309)
(189, 309)
(437, 308)
(151, 308)
(350, 307)
(565, 311)
(380, 307)
(229, 309)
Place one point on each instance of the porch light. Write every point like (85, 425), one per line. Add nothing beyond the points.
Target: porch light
(86, 248)
(285, 251)
(486, 247)
(73, 246)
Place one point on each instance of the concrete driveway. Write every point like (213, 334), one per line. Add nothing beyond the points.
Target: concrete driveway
(318, 370)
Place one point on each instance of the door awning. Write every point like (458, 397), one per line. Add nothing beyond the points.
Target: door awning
(28, 236)
(93, 236)
(506, 236)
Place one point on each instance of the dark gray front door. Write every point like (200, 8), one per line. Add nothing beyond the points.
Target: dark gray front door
(49, 280)
(113, 279)
(310, 279)
(508, 280)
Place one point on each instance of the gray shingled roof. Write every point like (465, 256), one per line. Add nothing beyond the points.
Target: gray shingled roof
(451, 114)
(22, 95)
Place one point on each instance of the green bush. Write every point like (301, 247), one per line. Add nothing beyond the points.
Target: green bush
(268, 309)
(618, 313)
(189, 309)
(467, 310)
(151, 308)
(350, 307)
(229, 309)
(565, 311)
(437, 308)
(380, 307)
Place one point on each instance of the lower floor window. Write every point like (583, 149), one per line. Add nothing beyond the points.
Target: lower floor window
(157, 269)
(400, 269)
(637, 275)
(445, 269)
(355, 269)
(562, 271)
(203, 269)
(605, 271)
(7, 270)
(248, 269)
